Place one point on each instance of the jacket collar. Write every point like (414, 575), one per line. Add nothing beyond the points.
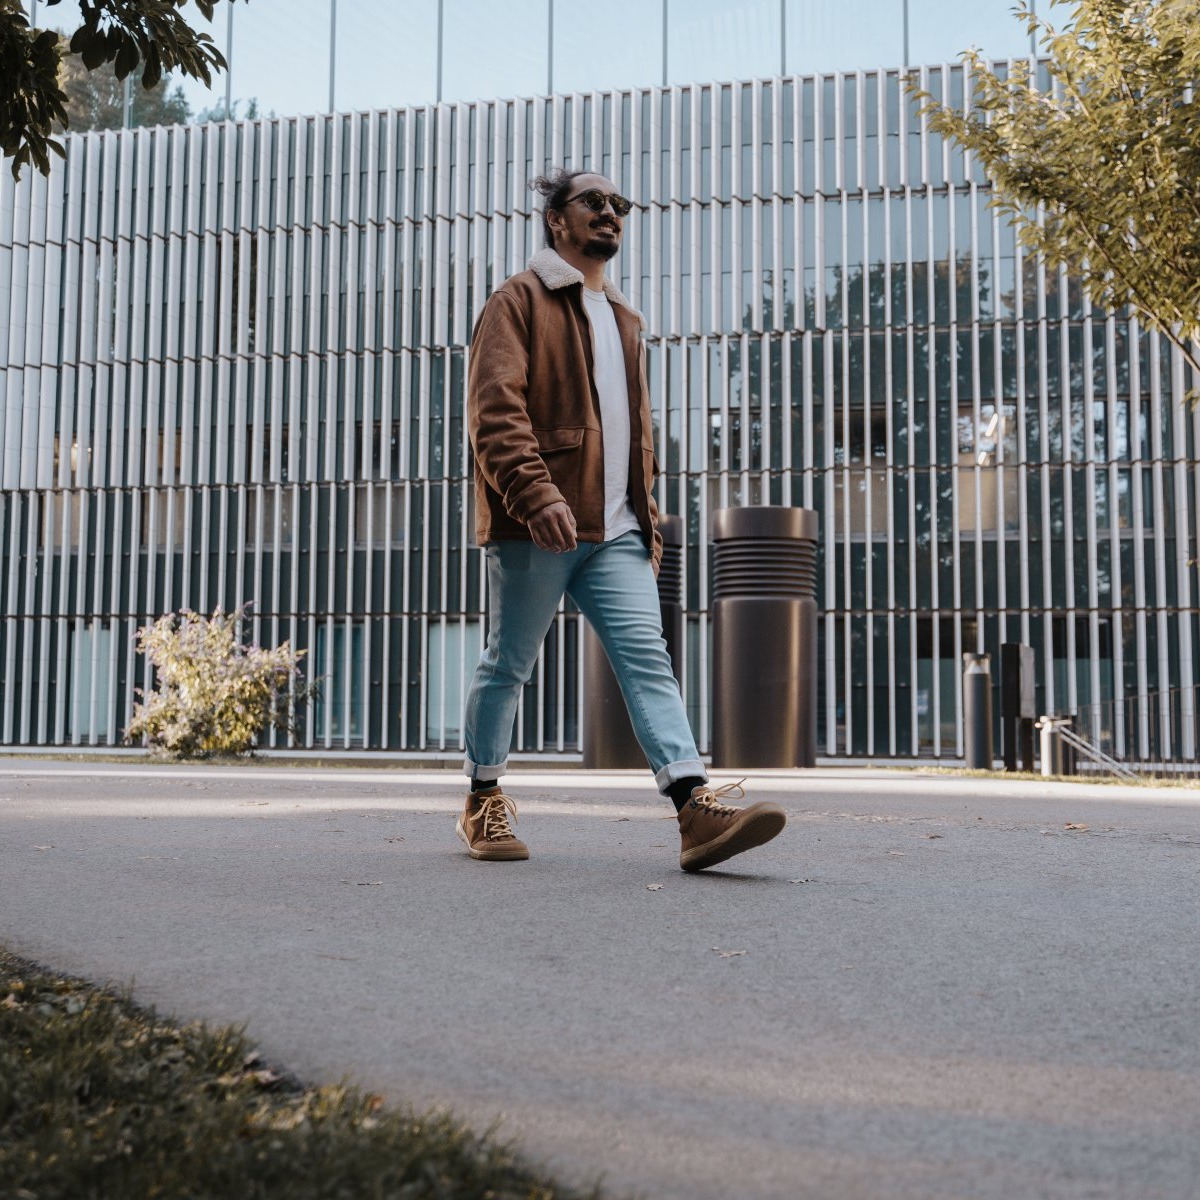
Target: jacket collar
(555, 272)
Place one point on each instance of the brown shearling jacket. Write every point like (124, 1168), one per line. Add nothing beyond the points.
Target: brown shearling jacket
(533, 413)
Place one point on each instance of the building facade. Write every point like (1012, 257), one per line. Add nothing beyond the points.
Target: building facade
(232, 369)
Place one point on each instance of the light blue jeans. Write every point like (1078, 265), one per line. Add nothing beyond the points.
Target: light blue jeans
(612, 584)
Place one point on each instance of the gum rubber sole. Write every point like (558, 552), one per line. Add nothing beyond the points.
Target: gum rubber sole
(494, 852)
(759, 823)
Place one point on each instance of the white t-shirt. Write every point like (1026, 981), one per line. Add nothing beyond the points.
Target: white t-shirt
(612, 388)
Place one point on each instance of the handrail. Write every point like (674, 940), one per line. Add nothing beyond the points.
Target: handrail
(1086, 748)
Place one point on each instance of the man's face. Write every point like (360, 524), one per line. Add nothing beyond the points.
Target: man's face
(578, 228)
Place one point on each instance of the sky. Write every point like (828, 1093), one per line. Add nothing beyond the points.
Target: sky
(386, 51)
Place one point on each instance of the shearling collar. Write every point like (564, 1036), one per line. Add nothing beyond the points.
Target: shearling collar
(555, 272)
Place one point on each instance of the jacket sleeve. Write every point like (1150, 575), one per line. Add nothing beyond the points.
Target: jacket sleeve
(502, 436)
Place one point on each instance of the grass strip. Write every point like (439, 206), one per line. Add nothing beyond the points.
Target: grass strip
(100, 1098)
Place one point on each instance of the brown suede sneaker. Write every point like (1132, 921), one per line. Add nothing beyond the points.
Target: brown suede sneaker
(711, 831)
(484, 827)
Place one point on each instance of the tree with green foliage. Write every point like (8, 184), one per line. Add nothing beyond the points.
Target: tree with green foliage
(147, 35)
(96, 99)
(1100, 172)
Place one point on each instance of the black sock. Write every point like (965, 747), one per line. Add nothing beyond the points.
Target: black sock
(680, 791)
(482, 785)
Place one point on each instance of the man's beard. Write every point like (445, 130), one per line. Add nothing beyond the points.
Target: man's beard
(595, 248)
(601, 249)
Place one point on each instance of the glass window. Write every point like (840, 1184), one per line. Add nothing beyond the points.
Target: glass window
(401, 66)
(454, 650)
(491, 50)
(593, 49)
(91, 680)
(339, 667)
(723, 39)
(847, 36)
(940, 30)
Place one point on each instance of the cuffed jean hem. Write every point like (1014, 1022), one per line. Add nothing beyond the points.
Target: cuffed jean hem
(483, 772)
(690, 768)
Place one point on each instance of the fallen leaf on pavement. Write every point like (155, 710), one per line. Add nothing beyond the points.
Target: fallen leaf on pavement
(654, 887)
(727, 953)
(931, 836)
(393, 839)
(1075, 825)
(43, 847)
(799, 881)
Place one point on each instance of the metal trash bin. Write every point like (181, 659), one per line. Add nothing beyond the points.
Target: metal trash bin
(608, 739)
(977, 711)
(764, 621)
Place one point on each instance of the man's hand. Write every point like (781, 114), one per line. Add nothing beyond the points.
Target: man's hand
(553, 528)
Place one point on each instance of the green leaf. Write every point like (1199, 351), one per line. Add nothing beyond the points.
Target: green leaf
(95, 51)
(153, 69)
(126, 60)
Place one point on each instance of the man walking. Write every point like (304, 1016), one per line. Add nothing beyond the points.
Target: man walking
(559, 417)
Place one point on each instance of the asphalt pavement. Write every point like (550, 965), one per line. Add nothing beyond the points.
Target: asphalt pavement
(929, 986)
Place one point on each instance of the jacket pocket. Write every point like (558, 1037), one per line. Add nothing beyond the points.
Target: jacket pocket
(550, 440)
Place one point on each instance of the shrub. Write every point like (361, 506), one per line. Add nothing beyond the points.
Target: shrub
(213, 694)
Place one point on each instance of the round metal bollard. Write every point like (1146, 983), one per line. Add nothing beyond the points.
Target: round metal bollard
(764, 616)
(1053, 757)
(977, 711)
(608, 740)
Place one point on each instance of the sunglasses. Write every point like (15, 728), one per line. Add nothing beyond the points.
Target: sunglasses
(596, 200)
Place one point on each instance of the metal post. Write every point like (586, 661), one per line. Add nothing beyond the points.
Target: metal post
(229, 63)
(1017, 704)
(977, 711)
(906, 54)
(1052, 744)
(332, 51)
(665, 76)
(550, 48)
(782, 37)
(441, 27)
